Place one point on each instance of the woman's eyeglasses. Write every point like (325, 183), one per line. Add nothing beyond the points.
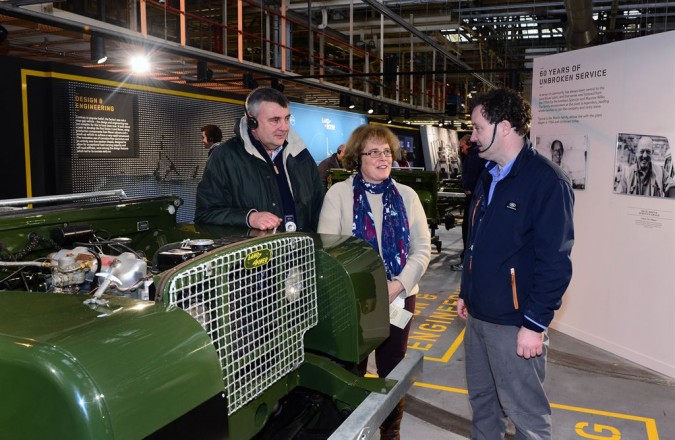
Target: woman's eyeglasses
(375, 154)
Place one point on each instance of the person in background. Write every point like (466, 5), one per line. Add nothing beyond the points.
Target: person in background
(211, 135)
(332, 161)
(644, 178)
(264, 177)
(454, 168)
(389, 216)
(403, 161)
(472, 166)
(517, 267)
(410, 157)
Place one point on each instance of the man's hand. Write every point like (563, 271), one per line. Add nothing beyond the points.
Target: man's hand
(462, 311)
(263, 220)
(529, 343)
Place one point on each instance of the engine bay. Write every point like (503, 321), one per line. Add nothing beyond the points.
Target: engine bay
(82, 260)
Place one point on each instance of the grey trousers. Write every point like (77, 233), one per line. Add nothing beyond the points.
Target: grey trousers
(502, 384)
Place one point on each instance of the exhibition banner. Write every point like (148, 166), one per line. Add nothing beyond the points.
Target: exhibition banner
(104, 123)
(604, 114)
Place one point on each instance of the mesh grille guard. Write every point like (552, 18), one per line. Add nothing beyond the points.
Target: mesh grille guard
(255, 303)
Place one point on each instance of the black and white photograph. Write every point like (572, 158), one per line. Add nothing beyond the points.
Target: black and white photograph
(441, 150)
(569, 152)
(643, 166)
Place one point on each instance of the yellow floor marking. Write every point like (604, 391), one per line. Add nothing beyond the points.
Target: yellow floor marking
(650, 424)
(440, 387)
(451, 351)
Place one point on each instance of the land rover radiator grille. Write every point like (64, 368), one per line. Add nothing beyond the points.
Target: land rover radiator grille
(256, 304)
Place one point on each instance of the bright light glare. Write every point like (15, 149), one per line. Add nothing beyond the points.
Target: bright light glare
(140, 64)
(294, 284)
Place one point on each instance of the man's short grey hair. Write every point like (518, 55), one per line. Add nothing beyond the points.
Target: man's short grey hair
(264, 94)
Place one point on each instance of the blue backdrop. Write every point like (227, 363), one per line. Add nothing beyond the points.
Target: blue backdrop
(322, 129)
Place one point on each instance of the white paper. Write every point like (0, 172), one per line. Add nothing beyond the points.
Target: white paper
(399, 316)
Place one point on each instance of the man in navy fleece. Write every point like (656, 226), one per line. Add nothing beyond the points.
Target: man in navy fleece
(516, 269)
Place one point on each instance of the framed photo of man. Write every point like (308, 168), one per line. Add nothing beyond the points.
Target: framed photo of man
(643, 166)
(569, 152)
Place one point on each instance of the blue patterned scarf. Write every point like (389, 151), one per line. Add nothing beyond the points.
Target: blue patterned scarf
(395, 232)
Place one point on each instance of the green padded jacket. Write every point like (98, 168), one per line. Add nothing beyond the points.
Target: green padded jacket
(237, 180)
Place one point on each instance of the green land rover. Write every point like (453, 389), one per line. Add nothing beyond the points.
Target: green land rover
(118, 322)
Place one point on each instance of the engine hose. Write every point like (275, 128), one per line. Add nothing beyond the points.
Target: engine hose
(34, 240)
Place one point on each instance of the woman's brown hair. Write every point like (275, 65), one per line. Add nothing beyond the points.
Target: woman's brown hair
(354, 145)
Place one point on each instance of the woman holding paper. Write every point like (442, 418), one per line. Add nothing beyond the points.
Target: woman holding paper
(389, 216)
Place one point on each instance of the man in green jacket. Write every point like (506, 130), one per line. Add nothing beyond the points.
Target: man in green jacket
(264, 177)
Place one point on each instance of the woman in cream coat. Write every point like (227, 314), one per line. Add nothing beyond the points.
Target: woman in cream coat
(389, 216)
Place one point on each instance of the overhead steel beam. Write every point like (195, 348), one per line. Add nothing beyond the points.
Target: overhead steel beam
(360, 4)
(391, 29)
(433, 43)
(419, 19)
(79, 23)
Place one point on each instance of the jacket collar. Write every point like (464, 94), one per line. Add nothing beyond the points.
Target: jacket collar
(525, 153)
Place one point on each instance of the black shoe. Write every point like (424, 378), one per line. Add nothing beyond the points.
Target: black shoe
(457, 267)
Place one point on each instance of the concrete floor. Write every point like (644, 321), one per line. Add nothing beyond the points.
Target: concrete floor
(594, 394)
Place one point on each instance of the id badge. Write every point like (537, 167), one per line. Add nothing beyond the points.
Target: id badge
(289, 223)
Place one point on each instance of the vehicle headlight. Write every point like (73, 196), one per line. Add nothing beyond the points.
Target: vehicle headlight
(293, 284)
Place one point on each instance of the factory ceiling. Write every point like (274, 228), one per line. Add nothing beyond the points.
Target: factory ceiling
(410, 60)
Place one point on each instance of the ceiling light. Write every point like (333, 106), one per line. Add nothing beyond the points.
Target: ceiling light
(140, 64)
(344, 100)
(203, 71)
(367, 107)
(97, 45)
(392, 112)
(324, 19)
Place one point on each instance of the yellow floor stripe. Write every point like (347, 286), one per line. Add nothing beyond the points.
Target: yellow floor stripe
(650, 424)
(451, 351)
(440, 387)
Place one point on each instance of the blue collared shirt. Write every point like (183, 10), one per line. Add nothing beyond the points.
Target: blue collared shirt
(498, 174)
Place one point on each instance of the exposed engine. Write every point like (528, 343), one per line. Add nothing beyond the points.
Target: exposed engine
(97, 265)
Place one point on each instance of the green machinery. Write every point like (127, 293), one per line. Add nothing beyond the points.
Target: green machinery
(118, 323)
(450, 201)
